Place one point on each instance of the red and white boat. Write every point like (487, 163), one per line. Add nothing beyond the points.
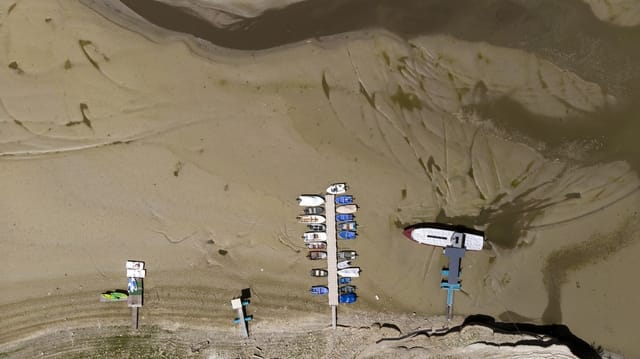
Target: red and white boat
(442, 235)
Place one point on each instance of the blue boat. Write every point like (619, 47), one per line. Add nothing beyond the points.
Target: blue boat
(319, 290)
(347, 298)
(347, 235)
(344, 280)
(344, 217)
(344, 199)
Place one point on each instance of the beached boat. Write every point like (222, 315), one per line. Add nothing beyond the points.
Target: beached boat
(343, 264)
(344, 199)
(347, 254)
(313, 255)
(319, 272)
(316, 245)
(351, 272)
(347, 208)
(346, 226)
(347, 235)
(347, 289)
(314, 236)
(314, 210)
(347, 298)
(317, 227)
(337, 188)
(319, 290)
(311, 218)
(309, 240)
(344, 217)
(310, 200)
(442, 235)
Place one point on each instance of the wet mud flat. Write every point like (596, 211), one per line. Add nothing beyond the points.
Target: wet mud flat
(420, 117)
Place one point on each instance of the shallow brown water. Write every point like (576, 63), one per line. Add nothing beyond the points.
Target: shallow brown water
(566, 33)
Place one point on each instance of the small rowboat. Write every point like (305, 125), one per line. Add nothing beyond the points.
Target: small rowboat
(314, 210)
(337, 188)
(347, 289)
(348, 254)
(314, 236)
(311, 218)
(346, 226)
(319, 272)
(317, 245)
(313, 255)
(347, 235)
(309, 240)
(317, 227)
(351, 272)
(343, 264)
(344, 199)
(310, 200)
(347, 208)
(319, 290)
(344, 217)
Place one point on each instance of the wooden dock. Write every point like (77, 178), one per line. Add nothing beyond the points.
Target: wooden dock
(332, 256)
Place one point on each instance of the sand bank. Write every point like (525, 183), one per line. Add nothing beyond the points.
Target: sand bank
(119, 144)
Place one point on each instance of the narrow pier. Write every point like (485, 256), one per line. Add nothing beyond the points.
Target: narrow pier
(332, 256)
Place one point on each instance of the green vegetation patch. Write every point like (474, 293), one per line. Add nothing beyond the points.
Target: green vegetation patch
(14, 66)
(406, 100)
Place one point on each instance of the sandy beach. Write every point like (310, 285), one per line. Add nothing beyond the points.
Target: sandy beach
(123, 140)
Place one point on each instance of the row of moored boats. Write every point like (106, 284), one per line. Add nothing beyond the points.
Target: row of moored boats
(315, 238)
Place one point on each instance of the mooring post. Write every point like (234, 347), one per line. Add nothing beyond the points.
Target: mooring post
(334, 317)
(134, 318)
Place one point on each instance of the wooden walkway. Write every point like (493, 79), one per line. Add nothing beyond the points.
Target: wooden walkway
(332, 249)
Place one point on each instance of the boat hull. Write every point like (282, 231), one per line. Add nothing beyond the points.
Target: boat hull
(317, 245)
(351, 272)
(443, 237)
(337, 188)
(310, 201)
(314, 236)
(347, 209)
(311, 219)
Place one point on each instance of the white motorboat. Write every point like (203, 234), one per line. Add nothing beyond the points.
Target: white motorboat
(314, 236)
(351, 272)
(347, 209)
(445, 236)
(337, 188)
(309, 200)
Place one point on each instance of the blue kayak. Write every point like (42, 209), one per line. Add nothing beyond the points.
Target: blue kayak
(345, 199)
(347, 235)
(344, 217)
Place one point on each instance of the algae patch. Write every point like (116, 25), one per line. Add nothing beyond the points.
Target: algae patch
(406, 100)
